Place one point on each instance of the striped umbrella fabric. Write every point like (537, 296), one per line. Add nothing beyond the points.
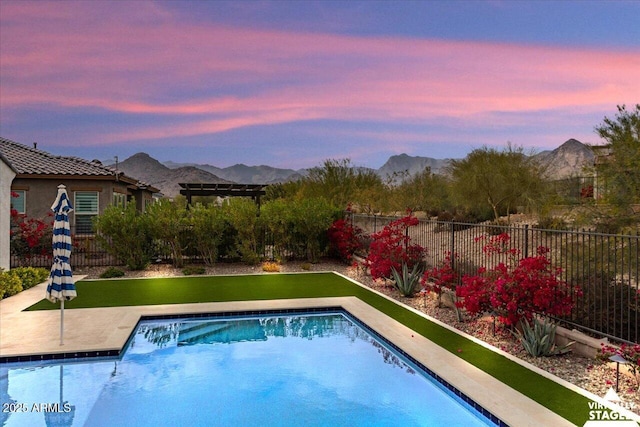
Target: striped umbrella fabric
(60, 284)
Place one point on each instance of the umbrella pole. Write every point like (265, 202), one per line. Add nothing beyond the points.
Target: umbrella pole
(61, 385)
(61, 321)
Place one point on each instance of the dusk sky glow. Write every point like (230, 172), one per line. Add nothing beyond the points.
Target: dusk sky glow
(290, 84)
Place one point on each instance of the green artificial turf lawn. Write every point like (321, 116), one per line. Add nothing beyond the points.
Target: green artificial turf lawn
(194, 289)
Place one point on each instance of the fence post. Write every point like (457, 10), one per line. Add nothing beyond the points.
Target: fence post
(526, 241)
(453, 244)
(406, 239)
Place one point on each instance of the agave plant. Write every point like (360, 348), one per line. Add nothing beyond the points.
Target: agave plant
(538, 338)
(407, 281)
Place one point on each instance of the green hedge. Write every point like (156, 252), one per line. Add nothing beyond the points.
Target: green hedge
(234, 229)
(19, 279)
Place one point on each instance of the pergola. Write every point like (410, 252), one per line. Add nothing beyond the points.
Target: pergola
(223, 190)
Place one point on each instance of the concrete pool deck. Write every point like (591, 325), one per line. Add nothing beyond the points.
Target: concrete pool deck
(24, 333)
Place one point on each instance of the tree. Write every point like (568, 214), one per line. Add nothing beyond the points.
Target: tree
(500, 179)
(342, 184)
(242, 214)
(424, 191)
(126, 234)
(208, 230)
(169, 225)
(621, 170)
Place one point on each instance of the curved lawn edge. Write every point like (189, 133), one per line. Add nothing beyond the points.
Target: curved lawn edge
(565, 402)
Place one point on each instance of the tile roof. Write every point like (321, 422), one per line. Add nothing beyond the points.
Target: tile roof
(32, 161)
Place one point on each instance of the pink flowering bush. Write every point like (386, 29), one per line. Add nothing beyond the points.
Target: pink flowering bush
(517, 290)
(474, 294)
(30, 236)
(391, 247)
(442, 277)
(344, 239)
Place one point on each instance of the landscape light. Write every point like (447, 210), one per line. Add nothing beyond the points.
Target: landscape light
(618, 359)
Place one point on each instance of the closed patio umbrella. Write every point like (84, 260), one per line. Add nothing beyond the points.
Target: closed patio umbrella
(61, 287)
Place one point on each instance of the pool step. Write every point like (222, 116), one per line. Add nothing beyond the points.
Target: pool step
(221, 332)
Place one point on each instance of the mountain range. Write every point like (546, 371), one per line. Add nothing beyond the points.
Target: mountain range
(569, 159)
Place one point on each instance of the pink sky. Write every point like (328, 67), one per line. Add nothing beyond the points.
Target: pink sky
(147, 75)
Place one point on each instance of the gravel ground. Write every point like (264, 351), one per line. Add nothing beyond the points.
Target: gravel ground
(592, 375)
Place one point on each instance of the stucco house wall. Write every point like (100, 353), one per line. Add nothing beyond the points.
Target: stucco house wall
(35, 175)
(42, 192)
(6, 177)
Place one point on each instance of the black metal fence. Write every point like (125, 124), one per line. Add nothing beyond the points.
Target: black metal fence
(86, 252)
(603, 266)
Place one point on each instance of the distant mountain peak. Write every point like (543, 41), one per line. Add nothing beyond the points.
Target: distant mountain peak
(412, 165)
(146, 168)
(569, 159)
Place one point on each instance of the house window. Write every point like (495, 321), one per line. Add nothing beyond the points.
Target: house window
(147, 203)
(120, 199)
(19, 201)
(86, 207)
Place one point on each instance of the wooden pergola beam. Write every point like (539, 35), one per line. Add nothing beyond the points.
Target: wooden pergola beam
(222, 190)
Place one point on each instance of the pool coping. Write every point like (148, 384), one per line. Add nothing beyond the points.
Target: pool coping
(105, 331)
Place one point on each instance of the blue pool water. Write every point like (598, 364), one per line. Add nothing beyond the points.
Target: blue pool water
(272, 370)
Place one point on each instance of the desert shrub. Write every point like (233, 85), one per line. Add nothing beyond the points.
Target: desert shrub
(191, 270)
(462, 220)
(168, 223)
(299, 227)
(111, 272)
(600, 294)
(551, 223)
(30, 276)
(242, 215)
(597, 273)
(277, 220)
(208, 229)
(127, 235)
(270, 267)
(312, 217)
(9, 284)
(496, 227)
(445, 216)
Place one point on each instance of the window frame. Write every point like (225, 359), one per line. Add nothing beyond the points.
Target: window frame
(80, 213)
(119, 199)
(23, 198)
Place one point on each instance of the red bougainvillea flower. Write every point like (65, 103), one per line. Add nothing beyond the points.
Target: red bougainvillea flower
(391, 247)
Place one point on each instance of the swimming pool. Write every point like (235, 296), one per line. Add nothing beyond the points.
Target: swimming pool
(294, 369)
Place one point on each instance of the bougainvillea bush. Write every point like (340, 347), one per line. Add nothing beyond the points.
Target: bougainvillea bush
(391, 248)
(30, 236)
(344, 239)
(516, 290)
(442, 277)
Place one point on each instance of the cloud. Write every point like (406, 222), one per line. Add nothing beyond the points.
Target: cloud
(138, 59)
